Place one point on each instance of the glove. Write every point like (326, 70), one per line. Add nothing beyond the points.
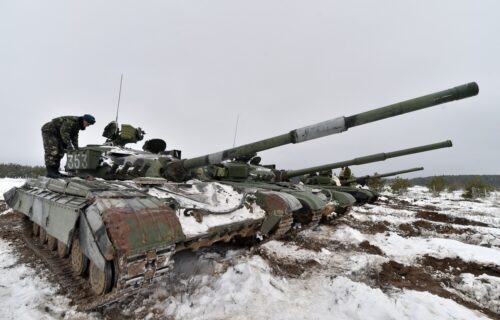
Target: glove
(70, 148)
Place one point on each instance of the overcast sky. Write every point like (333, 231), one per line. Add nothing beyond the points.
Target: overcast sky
(190, 67)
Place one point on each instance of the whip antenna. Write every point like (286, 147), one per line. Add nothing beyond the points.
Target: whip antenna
(119, 96)
(236, 129)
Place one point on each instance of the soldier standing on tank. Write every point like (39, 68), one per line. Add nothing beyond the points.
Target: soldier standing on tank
(60, 135)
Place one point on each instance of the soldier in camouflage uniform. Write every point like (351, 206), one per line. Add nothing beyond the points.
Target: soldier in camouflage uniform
(59, 136)
(345, 174)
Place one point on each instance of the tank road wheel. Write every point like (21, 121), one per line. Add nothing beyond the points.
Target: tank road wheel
(51, 243)
(79, 262)
(36, 230)
(100, 281)
(42, 235)
(62, 249)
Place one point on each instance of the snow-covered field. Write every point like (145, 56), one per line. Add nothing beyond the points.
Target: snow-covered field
(408, 257)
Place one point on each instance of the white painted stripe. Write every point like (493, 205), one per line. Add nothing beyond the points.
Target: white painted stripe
(319, 130)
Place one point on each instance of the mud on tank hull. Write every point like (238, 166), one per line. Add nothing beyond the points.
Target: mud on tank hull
(123, 234)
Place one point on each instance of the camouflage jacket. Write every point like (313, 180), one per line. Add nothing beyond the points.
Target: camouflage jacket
(68, 128)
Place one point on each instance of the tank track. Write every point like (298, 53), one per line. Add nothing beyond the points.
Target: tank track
(315, 219)
(285, 224)
(77, 288)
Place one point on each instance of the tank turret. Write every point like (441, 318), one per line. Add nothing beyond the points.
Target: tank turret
(285, 175)
(363, 180)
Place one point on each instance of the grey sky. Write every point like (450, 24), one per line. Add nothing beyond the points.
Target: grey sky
(191, 66)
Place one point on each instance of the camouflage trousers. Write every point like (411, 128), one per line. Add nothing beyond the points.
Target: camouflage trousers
(52, 145)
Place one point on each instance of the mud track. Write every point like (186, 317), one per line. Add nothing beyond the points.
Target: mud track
(439, 217)
(420, 278)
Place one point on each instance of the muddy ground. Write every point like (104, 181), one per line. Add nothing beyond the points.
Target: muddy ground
(438, 276)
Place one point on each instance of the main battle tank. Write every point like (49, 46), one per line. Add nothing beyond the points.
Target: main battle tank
(363, 180)
(125, 212)
(310, 176)
(318, 180)
(361, 195)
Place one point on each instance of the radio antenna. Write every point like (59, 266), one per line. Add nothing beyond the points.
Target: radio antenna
(236, 129)
(119, 96)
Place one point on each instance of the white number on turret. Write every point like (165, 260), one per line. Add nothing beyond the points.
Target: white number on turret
(77, 161)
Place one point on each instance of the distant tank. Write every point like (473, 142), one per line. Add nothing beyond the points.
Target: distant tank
(311, 177)
(363, 180)
(125, 212)
(368, 195)
(318, 180)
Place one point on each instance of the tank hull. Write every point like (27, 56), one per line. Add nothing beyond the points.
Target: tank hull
(124, 233)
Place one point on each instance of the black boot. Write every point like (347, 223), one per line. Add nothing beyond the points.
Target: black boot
(53, 172)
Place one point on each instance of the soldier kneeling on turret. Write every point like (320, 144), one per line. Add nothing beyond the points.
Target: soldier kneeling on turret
(60, 135)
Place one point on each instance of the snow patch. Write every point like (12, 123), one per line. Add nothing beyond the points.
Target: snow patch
(25, 295)
(7, 183)
(248, 290)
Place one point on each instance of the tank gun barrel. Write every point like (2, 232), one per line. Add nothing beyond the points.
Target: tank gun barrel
(367, 159)
(363, 179)
(325, 128)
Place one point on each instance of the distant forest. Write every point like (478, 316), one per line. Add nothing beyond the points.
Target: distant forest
(12, 170)
(459, 180)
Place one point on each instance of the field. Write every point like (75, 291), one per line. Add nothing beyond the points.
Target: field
(413, 256)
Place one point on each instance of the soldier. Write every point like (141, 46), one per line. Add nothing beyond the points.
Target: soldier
(59, 136)
(345, 174)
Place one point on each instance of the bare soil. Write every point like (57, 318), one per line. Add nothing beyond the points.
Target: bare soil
(370, 248)
(439, 217)
(457, 266)
(417, 278)
(439, 228)
(289, 267)
(367, 227)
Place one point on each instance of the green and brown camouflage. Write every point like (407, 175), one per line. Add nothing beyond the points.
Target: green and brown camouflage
(136, 164)
(242, 173)
(66, 127)
(364, 179)
(285, 175)
(57, 135)
(126, 231)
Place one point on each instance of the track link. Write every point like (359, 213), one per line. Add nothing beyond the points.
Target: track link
(284, 226)
(74, 287)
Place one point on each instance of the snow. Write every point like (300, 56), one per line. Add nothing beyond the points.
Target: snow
(483, 288)
(249, 290)
(336, 281)
(7, 183)
(406, 249)
(26, 295)
(213, 197)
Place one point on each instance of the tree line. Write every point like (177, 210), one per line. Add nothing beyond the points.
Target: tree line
(12, 170)
(473, 186)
